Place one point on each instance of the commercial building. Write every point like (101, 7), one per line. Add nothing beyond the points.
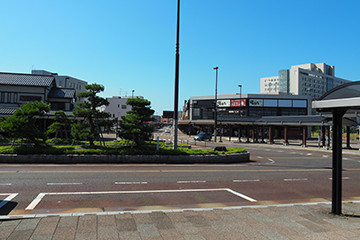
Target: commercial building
(252, 105)
(307, 79)
(248, 115)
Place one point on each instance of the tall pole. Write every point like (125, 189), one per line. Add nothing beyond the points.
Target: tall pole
(216, 108)
(176, 101)
(240, 86)
(132, 93)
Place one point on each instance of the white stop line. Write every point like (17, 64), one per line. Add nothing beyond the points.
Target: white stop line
(39, 197)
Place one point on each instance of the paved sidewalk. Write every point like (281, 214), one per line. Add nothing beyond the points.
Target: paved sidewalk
(262, 222)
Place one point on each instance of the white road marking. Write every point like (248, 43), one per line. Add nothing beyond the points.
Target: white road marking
(246, 180)
(259, 157)
(125, 183)
(308, 154)
(5, 184)
(344, 178)
(51, 184)
(7, 199)
(190, 181)
(295, 179)
(271, 161)
(280, 151)
(241, 195)
(36, 201)
(325, 156)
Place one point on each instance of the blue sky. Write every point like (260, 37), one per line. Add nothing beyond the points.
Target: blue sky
(130, 44)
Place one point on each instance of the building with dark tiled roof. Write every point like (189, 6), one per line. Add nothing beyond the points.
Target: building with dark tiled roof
(17, 89)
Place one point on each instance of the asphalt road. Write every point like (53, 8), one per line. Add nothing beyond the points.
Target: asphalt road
(274, 175)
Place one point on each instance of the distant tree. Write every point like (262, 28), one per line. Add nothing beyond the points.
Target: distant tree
(89, 110)
(61, 125)
(23, 123)
(133, 125)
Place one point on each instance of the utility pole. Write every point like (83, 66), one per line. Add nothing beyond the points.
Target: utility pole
(176, 100)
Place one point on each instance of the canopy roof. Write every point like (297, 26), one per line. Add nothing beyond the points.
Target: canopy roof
(346, 96)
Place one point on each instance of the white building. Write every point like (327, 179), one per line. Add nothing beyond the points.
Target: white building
(117, 106)
(307, 79)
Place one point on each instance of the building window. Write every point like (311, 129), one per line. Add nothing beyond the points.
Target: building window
(123, 106)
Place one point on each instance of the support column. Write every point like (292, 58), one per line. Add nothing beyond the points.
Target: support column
(337, 161)
(253, 134)
(328, 133)
(271, 137)
(221, 132)
(239, 132)
(262, 134)
(286, 141)
(323, 135)
(230, 132)
(348, 137)
(247, 134)
(304, 136)
(256, 130)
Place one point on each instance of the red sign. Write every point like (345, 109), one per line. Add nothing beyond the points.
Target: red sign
(236, 103)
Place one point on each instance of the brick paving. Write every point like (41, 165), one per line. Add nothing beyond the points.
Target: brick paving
(270, 222)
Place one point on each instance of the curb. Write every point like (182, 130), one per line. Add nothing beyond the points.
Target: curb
(82, 158)
(25, 216)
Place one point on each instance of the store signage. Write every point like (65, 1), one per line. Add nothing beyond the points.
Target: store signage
(256, 102)
(223, 103)
(236, 103)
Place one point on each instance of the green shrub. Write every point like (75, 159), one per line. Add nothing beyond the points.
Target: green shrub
(149, 149)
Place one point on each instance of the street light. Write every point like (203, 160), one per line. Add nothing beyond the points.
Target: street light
(132, 93)
(176, 95)
(240, 86)
(216, 109)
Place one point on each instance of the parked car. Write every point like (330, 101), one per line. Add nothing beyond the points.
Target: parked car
(203, 136)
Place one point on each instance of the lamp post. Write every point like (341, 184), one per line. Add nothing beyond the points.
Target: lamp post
(216, 109)
(176, 95)
(240, 86)
(132, 93)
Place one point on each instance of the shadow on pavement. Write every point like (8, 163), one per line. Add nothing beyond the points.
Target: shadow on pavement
(8, 207)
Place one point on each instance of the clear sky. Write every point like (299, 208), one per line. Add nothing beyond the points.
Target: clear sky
(130, 44)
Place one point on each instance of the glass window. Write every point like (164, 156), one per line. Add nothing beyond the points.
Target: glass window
(270, 103)
(284, 103)
(123, 106)
(299, 103)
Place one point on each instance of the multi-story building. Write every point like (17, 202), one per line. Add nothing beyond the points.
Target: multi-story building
(307, 79)
(63, 81)
(117, 106)
(17, 89)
